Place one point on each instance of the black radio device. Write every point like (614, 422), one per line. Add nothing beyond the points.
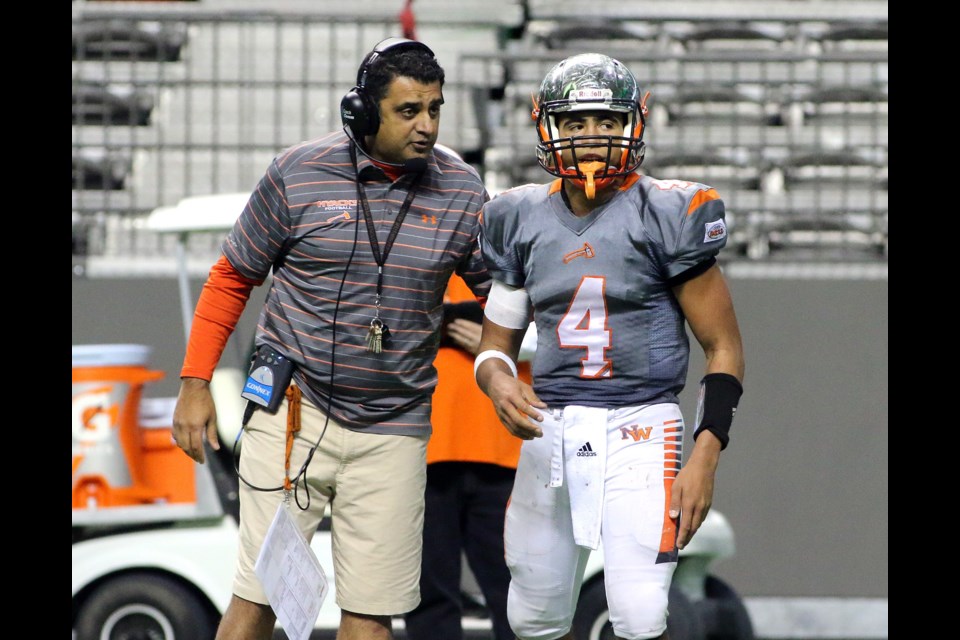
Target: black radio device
(269, 378)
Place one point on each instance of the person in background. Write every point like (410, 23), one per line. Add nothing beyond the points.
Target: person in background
(408, 20)
(614, 266)
(471, 463)
(361, 229)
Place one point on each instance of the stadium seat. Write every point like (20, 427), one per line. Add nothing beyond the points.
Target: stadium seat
(710, 104)
(824, 169)
(95, 103)
(845, 105)
(594, 35)
(127, 40)
(736, 35)
(871, 36)
(97, 170)
(726, 172)
(807, 234)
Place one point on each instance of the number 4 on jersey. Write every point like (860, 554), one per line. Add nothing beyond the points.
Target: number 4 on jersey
(584, 326)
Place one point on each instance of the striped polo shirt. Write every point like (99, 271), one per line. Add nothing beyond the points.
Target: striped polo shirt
(304, 221)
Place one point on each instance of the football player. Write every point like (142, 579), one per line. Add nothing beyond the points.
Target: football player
(613, 266)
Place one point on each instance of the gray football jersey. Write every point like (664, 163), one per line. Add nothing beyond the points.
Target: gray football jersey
(610, 331)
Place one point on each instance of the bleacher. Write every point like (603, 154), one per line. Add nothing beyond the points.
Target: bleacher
(780, 104)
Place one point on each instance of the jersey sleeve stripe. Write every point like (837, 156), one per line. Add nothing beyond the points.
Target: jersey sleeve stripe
(703, 195)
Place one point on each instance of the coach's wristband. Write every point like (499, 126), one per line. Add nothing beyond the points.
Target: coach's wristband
(493, 353)
(716, 405)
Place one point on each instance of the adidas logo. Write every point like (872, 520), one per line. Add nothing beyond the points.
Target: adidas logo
(586, 450)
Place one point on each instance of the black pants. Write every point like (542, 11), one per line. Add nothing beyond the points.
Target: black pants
(465, 507)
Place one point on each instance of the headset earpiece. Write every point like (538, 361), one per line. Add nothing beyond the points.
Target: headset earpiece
(358, 111)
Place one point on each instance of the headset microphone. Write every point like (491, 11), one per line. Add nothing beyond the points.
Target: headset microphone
(415, 165)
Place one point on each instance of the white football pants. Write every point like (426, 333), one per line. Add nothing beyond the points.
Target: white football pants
(595, 475)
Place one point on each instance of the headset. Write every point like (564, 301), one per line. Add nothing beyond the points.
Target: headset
(358, 110)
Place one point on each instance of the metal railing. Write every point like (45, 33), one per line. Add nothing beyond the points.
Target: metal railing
(169, 104)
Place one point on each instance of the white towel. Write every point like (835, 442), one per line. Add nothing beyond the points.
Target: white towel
(585, 462)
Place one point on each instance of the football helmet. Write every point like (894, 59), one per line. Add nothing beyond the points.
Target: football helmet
(590, 82)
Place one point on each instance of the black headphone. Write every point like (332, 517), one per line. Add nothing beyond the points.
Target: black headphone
(358, 111)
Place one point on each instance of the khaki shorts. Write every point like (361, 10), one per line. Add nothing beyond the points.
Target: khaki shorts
(374, 484)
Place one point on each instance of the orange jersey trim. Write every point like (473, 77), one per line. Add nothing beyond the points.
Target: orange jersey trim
(671, 466)
(700, 197)
(630, 181)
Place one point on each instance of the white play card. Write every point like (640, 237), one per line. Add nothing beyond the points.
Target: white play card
(291, 575)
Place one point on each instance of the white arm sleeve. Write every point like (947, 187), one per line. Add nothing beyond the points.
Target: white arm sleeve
(508, 306)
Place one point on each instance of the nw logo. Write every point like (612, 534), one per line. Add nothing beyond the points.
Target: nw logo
(586, 252)
(635, 432)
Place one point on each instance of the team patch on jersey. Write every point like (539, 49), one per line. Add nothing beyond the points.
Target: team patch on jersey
(715, 230)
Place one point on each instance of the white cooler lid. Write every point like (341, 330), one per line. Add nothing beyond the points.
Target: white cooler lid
(157, 412)
(110, 355)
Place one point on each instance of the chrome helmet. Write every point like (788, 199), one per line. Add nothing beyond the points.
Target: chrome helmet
(590, 82)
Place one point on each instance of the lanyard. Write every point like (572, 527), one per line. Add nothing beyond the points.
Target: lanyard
(378, 330)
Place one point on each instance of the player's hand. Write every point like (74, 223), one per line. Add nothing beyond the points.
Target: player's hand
(516, 405)
(465, 334)
(692, 493)
(194, 418)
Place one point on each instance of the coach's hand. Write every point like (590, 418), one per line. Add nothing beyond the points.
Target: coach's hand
(465, 334)
(194, 418)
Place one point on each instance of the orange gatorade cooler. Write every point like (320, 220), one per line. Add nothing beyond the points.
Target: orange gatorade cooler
(107, 445)
(165, 469)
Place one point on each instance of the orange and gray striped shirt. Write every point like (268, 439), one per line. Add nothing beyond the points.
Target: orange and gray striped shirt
(304, 222)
